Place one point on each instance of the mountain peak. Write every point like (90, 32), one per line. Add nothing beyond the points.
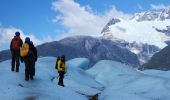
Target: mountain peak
(111, 22)
(160, 15)
(146, 16)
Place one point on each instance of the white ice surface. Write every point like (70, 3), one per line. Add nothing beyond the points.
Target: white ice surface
(124, 83)
(78, 85)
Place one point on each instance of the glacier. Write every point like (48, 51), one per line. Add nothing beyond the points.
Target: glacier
(122, 82)
(110, 80)
(79, 85)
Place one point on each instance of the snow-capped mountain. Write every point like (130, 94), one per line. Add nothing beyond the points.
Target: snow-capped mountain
(145, 33)
(143, 51)
(145, 27)
(111, 22)
(161, 15)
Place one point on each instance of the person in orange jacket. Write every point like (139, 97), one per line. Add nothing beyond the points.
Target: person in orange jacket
(16, 44)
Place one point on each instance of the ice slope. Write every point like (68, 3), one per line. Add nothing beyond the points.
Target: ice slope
(106, 71)
(82, 63)
(44, 87)
(141, 32)
(159, 73)
(124, 83)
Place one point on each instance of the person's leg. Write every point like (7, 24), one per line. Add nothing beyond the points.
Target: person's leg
(31, 64)
(17, 60)
(13, 61)
(26, 74)
(59, 81)
(62, 77)
(26, 69)
(31, 73)
(33, 70)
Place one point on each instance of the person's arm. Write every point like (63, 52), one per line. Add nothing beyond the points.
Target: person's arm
(65, 69)
(21, 43)
(11, 45)
(35, 53)
(56, 65)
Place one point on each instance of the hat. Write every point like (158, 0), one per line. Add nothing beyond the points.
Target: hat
(27, 39)
(17, 34)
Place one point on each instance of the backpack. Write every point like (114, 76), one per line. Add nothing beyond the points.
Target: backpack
(56, 65)
(16, 41)
(61, 66)
(24, 50)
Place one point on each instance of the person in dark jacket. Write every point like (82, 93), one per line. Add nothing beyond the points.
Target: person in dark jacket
(33, 48)
(29, 60)
(16, 44)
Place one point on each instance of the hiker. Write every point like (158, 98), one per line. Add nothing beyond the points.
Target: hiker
(33, 48)
(15, 46)
(61, 70)
(27, 53)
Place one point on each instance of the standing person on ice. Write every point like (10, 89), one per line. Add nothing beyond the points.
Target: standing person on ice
(61, 66)
(27, 53)
(16, 44)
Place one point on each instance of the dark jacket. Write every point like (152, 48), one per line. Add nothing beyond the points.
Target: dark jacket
(34, 50)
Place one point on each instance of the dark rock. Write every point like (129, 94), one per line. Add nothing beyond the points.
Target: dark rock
(160, 60)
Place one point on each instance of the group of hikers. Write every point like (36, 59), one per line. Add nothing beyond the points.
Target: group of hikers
(26, 52)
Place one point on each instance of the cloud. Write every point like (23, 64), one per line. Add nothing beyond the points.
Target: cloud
(158, 7)
(82, 20)
(6, 35)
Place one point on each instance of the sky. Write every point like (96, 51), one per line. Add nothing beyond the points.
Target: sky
(50, 20)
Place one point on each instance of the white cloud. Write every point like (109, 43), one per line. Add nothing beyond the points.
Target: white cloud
(82, 20)
(6, 35)
(158, 7)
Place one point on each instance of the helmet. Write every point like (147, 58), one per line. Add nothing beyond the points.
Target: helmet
(31, 42)
(63, 57)
(27, 39)
(17, 33)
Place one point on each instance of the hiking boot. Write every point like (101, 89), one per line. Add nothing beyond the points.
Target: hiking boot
(12, 69)
(31, 77)
(17, 70)
(26, 79)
